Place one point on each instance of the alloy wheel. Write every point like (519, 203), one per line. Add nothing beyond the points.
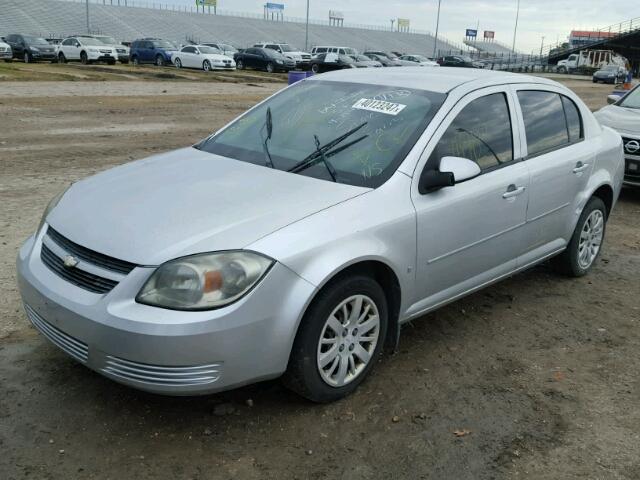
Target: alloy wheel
(206, 66)
(178, 63)
(270, 67)
(591, 237)
(27, 57)
(348, 340)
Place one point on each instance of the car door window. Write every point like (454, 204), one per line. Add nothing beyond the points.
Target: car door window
(189, 50)
(544, 121)
(67, 42)
(574, 120)
(481, 132)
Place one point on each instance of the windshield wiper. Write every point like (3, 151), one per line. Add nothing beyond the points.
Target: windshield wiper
(322, 153)
(268, 124)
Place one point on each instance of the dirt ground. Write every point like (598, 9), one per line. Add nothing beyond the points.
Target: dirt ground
(534, 378)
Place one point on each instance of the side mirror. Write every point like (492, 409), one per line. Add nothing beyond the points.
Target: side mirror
(452, 170)
(612, 99)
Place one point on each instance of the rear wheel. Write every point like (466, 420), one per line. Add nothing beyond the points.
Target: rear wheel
(339, 339)
(270, 67)
(27, 57)
(206, 65)
(160, 61)
(586, 242)
(315, 68)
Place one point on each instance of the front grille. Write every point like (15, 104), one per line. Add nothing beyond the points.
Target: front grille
(66, 343)
(89, 256)
(105, 51)
(74, 275)
(161, 375)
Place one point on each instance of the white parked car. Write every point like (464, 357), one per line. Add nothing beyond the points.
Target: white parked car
(301, 58)
(5, 52)
(419, 60)
(623, 115)
(121, 50)
(202, 57)
(86, 50)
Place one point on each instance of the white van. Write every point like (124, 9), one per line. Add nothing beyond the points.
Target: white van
(315, 51)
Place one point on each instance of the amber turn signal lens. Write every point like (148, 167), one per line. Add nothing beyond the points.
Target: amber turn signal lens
(212, 281)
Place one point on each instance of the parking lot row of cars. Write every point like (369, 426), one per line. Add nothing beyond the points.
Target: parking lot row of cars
(270, 57)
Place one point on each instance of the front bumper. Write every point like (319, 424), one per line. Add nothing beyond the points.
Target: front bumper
(44, 55)
(160, 350)
(632, 170)
(5, 55)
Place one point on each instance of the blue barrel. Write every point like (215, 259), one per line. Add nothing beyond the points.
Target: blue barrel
(296, 76)
(309, 73)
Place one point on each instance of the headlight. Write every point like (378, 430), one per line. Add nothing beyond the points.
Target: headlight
(279, 62)
(34, 49)
(93, 50)
(51, 205)
(204, 281)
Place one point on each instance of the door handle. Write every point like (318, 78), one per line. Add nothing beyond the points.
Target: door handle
(513, 191)
(580, 167)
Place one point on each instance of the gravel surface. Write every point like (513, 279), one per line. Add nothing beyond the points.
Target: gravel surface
(535, 377)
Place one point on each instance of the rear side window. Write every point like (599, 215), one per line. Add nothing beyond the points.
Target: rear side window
(481, 132)
(574, 120)
(544, 121)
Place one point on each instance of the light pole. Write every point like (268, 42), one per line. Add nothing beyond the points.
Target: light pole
(515, 29)
(435, 42)
(306, 32)
(541, 46)
(88, 27)
(392, 22)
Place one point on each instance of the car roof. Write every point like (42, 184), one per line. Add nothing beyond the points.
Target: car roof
(442, 80)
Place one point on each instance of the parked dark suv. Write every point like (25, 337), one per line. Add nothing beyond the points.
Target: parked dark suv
(30, 48)
(456, 61)
(152, 50)
(263, 59)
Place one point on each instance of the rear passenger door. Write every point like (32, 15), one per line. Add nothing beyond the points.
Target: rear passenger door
(471, 233)
(560, 162)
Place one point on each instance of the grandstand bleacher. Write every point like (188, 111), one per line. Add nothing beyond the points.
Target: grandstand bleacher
(489, 47)
(57, 19)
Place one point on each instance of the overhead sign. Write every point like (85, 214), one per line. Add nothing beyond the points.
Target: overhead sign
(403, 23)
(489, 34)
(471, 32)
(335, 14)
(207, 3)
(274, 6)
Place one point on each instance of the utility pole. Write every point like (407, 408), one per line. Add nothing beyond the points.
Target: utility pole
(435, 43)
(306, 32)
(88, 27)
(515, 30)
(541, 46)
(392, 22)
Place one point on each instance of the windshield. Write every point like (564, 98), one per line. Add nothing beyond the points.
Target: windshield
(163, 44)
(228, 47)
(395, 117)
(208, 50)
(350, 51)
(90, 41)
(631, 99)
(466, 59)
(108, 40)
(272, 53)
(35, 40)
(610, 68)
(421, 58)
(361, 58)
(286, 48)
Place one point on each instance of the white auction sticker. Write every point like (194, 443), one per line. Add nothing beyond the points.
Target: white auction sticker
(379, 106)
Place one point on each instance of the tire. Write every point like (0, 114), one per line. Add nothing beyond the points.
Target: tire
(270, 68)
(595, 81)
(27, 57)
(111, 62)
(588, 236)
(62, 58)
(317, 340)
(178, 63)
(135, 60)
(206, 66)
(159, 61)
(562, 70)
(83, 58)
(315, 68)
(240, 65)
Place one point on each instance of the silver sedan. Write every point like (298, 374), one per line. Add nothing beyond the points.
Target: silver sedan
(299, 238)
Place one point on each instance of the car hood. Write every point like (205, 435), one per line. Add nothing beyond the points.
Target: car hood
(187, 201)
(624, 120)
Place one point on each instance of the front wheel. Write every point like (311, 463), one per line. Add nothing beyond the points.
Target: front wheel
(206, 65)
(586, 241)
(270, 67)
(83, 58)
(339, 339)
(62, 58)
(27, 57)
(315, 68)
(240, 65)
(136, 61)
(178, 63)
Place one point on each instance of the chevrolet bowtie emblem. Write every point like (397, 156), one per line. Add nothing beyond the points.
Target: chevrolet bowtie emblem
(70, 261)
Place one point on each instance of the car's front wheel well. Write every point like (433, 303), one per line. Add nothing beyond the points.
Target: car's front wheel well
(387, 279)
(605, 193)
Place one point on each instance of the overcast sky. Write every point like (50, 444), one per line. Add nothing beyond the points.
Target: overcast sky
(551, 18)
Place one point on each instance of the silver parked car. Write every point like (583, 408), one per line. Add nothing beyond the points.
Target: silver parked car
(623, 115)
(300, 237)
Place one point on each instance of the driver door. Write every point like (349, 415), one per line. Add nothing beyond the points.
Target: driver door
(471, 233)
